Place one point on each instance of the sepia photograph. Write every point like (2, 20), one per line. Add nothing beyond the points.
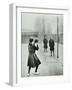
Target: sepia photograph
(41, 44)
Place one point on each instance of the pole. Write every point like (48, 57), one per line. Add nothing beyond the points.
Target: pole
(57, 38)
(43, 21)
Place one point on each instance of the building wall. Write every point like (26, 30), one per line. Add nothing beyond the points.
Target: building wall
(25, 37)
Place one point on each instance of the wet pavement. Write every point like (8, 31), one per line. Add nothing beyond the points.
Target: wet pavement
(50, 65)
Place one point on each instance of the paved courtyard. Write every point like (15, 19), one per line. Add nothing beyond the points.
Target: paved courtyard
(50, 65)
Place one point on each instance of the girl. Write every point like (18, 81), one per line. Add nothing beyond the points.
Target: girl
(36, 59)
(30, 57)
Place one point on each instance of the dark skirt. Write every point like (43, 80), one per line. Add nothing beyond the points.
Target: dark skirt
(52, 48)
(45, 46)
(33, 60)
(36, 60)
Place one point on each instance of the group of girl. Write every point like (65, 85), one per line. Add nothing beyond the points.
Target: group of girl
(33, 60)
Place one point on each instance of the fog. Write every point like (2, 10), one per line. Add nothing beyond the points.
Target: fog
(47, 23)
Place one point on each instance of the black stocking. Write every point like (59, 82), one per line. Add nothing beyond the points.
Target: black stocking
(36, 69)
(29, 69)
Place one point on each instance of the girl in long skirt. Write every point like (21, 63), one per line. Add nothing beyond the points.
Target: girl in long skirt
(30, 56)
(36, 59)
